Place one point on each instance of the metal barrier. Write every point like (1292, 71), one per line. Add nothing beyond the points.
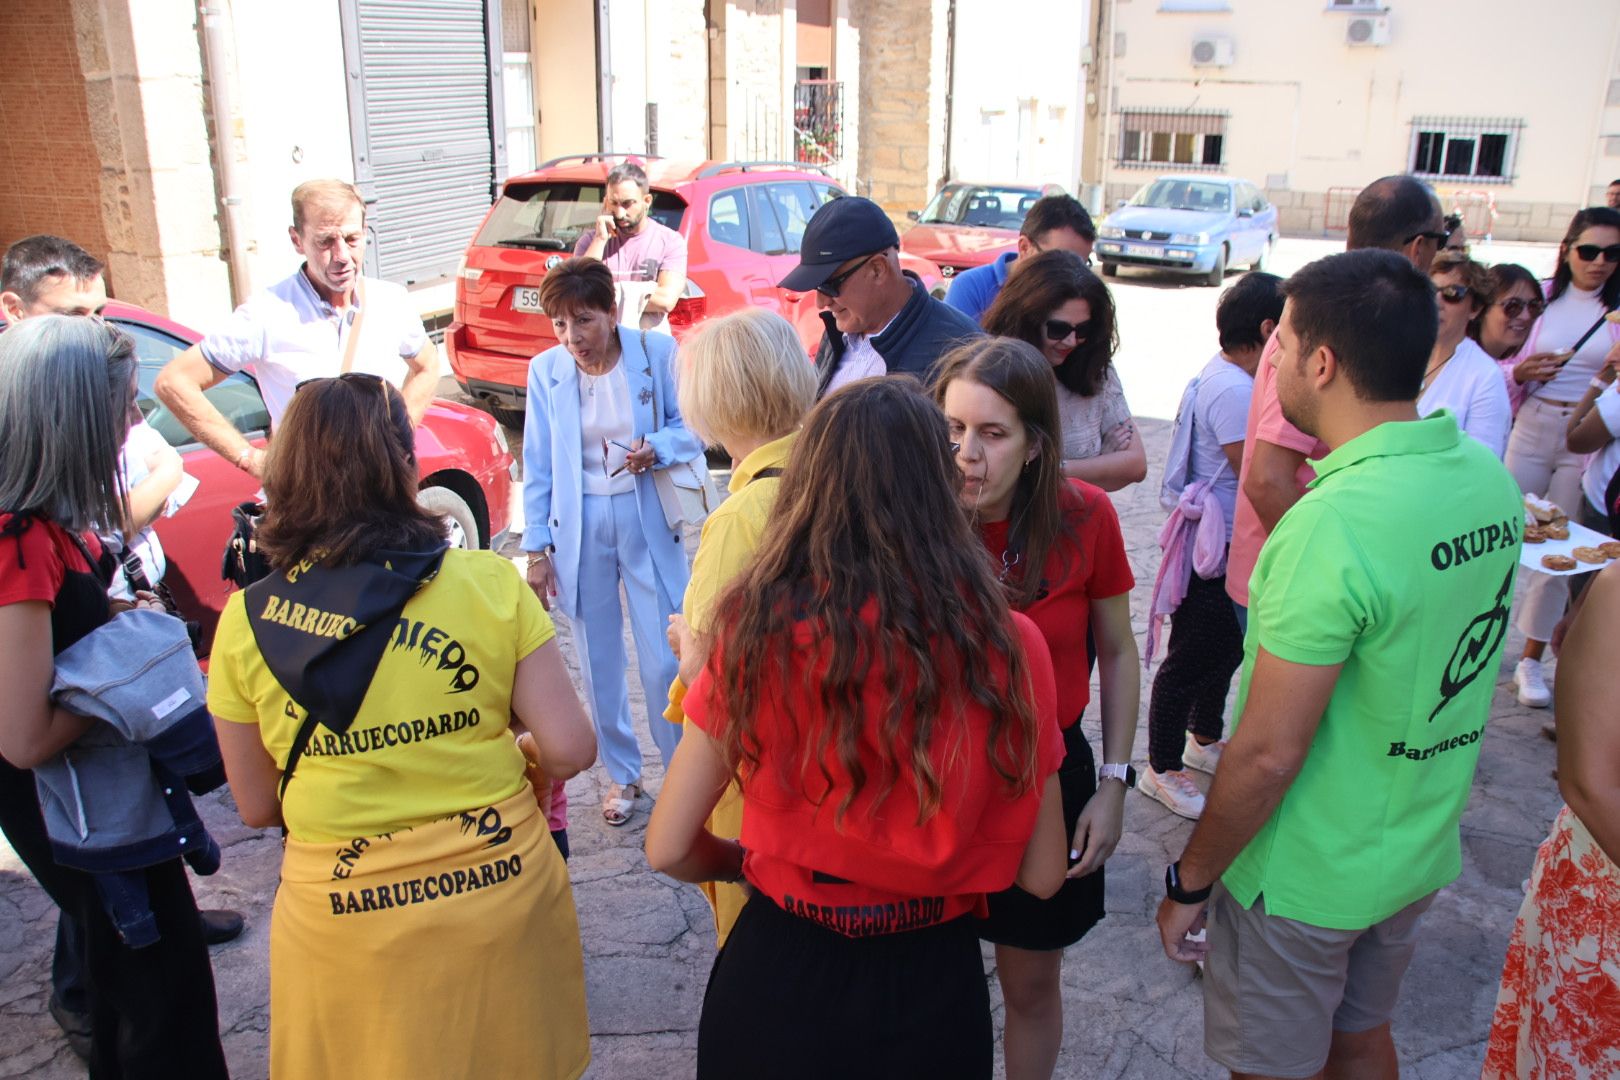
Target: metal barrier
(1477, 208)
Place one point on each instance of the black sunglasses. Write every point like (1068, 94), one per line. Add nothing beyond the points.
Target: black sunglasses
(835, 284)
(1590, 252)
(1515, 307)
(363, 378)
(1438, 237)
(1058, 330)
(1453, 294)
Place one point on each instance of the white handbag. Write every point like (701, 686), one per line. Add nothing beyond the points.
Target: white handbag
(685, 489)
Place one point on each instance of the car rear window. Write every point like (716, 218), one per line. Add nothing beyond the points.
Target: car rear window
(553, 216)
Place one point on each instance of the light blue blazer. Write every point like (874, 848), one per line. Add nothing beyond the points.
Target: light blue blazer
(552, 468)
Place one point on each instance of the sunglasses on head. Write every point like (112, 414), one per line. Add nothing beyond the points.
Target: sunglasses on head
(1058, 330)
(1515, 307)
(835, 284)
(362, 378)
(1453, 294)
(1590, 252)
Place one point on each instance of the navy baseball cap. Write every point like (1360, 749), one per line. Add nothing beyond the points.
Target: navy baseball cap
(841, 230)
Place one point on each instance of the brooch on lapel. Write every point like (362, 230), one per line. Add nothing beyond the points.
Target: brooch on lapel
(646, 395)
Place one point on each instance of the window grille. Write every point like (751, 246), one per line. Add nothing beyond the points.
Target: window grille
(1194, 141)
(1479, 150)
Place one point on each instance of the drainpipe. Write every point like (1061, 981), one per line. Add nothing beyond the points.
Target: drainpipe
(218, 34)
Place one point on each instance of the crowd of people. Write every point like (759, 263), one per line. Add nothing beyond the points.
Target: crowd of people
(865, 685)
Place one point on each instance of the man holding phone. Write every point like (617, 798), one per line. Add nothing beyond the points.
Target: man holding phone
(647, 257)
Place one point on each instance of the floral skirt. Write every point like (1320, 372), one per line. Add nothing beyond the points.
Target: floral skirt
(1558, 1009)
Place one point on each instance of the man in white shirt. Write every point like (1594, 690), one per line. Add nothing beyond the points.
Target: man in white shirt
(301, 328)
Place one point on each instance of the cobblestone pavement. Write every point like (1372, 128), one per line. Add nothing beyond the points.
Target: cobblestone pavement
(1130, 1013)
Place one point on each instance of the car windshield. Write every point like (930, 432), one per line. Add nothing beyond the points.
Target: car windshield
(988, 207)
(1201, 195)
(553, 216)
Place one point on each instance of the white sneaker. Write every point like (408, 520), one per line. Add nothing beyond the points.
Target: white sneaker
(1175, 790)
(1532, 686)
(1201, 757)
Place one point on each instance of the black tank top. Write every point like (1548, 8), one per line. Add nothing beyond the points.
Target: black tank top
(81, 602)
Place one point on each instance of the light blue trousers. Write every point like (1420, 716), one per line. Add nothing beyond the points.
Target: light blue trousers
(613, 548)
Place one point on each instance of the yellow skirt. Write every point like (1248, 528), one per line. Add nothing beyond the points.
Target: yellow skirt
(448, 950)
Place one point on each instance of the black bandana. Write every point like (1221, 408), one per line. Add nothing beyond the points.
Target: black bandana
(323, 630)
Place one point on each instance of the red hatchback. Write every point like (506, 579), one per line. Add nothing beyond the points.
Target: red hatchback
(967, 225)
(742, 221)
(467, 470)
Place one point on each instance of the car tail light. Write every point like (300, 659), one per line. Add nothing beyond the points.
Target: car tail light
(468, 273)
(690, 309)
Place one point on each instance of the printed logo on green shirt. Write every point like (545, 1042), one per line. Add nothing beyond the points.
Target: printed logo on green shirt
(1477, 647)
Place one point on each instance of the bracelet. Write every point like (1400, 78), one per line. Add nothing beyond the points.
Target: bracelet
(1179, 894)
(1600, 384)
(539, 556)
(241, 459)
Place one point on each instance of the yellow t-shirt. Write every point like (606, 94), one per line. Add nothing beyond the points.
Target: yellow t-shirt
(420, 748)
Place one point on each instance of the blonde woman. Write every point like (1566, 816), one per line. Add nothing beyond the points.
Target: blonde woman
(746, 386)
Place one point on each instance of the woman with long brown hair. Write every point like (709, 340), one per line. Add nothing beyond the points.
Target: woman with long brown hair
(1056, 304)
(891, 725)
(1061, 560)
(364, 695)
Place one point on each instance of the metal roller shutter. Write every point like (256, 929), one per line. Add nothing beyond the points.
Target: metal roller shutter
(427, 130)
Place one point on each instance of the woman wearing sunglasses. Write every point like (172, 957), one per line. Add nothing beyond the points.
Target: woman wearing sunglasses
(365, 694)
(1513, 304)
(1460, 377)
(1055, 303)
(1583, 288)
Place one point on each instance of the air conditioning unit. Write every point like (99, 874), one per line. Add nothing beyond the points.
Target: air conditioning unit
(1212, 52)
(1367, 30)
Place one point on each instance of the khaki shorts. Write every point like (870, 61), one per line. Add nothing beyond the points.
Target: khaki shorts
(1275, 990)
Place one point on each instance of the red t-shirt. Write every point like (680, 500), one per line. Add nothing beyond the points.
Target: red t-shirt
(881, 872)
(33, 565)
(1088, 565)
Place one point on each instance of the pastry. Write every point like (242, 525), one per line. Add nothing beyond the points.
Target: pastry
(1555, 531)
(1610, 549)
(1533, 534)
(1541, 509)
(1558, 562)
(1590, 555)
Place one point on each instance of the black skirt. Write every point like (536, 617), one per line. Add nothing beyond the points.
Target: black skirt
(1026, 922)
(788, 998)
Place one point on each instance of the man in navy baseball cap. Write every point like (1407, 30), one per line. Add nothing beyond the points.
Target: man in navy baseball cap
(879, 319)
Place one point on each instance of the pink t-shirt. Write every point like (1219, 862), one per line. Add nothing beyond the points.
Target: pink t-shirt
(641, 257)
(1265, 422)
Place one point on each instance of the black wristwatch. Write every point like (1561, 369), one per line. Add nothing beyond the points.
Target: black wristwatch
(1173, 889)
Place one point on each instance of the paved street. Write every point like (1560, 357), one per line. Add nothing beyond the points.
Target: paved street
(1130, 1012)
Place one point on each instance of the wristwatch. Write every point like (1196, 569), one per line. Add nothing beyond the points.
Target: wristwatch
(1123, 773)
(1173, 889)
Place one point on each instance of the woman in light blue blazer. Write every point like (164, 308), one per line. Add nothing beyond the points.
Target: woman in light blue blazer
(593, 519)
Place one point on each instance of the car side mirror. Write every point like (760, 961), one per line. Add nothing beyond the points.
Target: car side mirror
(914, 215)
(1245, 212)
(1120, 204)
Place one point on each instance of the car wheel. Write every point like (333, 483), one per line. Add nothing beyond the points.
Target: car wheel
(512, 418)
(460, 525)
(1110, 269)
(1217, 273)
(1260, 260)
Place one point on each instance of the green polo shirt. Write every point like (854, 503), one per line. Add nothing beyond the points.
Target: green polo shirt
(1399, 563)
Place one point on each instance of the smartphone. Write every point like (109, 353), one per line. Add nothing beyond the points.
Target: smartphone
(1562, 356)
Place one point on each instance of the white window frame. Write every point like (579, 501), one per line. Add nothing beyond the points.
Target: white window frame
(1461, 128)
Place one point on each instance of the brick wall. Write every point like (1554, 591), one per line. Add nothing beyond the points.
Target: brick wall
(50, 177)
(901, 101)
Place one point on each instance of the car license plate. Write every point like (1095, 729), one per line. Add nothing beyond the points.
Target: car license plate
(527, 300)
(1142, 249)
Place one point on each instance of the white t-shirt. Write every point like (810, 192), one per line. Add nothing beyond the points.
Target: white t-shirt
(1220, 417)
(286, 334)
(1601, 469)
(138, 445)
(606, 425)
(1562, 325)
(1470, 385)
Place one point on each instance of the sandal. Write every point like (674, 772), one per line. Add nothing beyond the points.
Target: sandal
(617, 810)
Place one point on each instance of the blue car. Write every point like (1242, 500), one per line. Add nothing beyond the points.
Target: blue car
(1190, 225)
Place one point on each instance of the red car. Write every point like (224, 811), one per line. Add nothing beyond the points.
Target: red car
(467, 470)
(967, 225)
(743, 222)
